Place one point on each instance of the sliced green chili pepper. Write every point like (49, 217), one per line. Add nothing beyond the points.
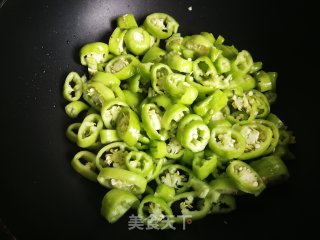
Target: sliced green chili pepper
(214, 54)
(173, 115)
(263, 81)
(110, 112)
(96, 94)
(176, 176)
(275, 135)
(174, 148)
(256, 66)
(204, 164)
(153, 55)
(139, 162)
(72, 132)
(224, 186)
(151, 118)
(242, 64)
(195, 136)
(127, 21)
(203, 70)
(225, 204)
(271, 169)
(132, 99)
(122, 179)
(116, 41)
(73, 109)
(156, 170)
(108, 136)
(165, 192)
(160, 25)
(158, 149)
(212, 104)
(162, 101)
(92, 54)
(113, 155)
(84, 163)
(159, 72)
(189, 204)
(245, 82)
(72, 88)
(116, 203)
(154, 211)
(137, 40)
(89, 130)
(198, 43)
(222, 64)
(176, 62)
(128, 126)
(257, 137)
(245, 177)
(123, 66)
(174, 43)
(227, 142)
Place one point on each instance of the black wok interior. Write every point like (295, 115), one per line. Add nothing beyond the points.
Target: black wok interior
(42, 197)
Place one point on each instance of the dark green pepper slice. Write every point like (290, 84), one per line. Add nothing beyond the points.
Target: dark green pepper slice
(190, 205)
(245, 177)
(271, 169)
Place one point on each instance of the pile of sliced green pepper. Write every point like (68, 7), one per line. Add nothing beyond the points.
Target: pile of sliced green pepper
(173, 125)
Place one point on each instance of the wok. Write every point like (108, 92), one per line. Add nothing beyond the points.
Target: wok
(41, 197)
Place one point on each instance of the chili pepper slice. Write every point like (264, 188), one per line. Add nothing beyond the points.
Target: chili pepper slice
(93, 54)
(159, 71)
(189, 204)
(96, 94)
(165, 192)
(122, 179)
(84, 163)
(160, 25)
(113, 155)
(73, 109)
(110, 112)
(195, 136)
(225, 204)
(176, 176)
(271, 169)
(227, 142)
(116, 203)
(204, 164)
(245, 177)
(154, 211)
(139, 162)
(116, 41)
(128, 126)
(123, 66)
(72, 87)
(137, 40)
(257, 140)
(198, 43)
(127, 21)
(88, 132)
